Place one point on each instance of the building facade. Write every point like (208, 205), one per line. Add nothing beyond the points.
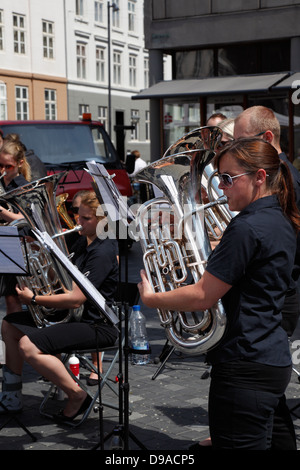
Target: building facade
(226, 56)
(33, 82)
(54, 64)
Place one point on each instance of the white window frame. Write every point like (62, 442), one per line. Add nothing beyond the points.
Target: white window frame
(3, 102)
(117, 67)
(50, 104)
(132, 70)
(102, 115)
(81, 61)
(79, 7)
(147, 125)
(48, 39)
(100, 64)
(98, 11)
(1, 30)
(22, 103)
(131, 16)
(116, 15)
(135, 121)
(19, 33)
(146, 72)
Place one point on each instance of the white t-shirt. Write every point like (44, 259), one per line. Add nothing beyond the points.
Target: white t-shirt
(139, 164)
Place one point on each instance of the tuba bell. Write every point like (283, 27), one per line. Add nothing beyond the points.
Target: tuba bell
(176, 246)
(37, 203)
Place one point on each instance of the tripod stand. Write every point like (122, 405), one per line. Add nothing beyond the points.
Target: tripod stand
(127, 296)
(13, 417)
(12, 262)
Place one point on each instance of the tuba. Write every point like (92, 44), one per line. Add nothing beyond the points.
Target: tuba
(37, 203)
(173, 232)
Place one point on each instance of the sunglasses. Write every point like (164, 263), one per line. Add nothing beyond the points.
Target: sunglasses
(260, 133)
(227, 180)
(7, 167)
(74, 209)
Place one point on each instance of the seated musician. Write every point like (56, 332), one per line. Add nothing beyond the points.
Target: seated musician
(40, 346)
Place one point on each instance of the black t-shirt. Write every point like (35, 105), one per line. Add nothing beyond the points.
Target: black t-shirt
(99, 263)
(15, 183)
(255, 256)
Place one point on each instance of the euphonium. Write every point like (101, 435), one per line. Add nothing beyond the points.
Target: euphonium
(36, 201)
(177, 256)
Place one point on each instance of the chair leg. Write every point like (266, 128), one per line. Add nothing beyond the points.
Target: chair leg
(104, 380)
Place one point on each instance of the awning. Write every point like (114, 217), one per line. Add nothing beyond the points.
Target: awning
(287, 83)
(212, 86)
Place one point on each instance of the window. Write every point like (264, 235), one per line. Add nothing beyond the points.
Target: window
(146, 72)
(19, 34)
(116, 15)
(100, 64)
(81, 60)
(102, 115)
(98, 11)
(117, 68)
(135, 118)
(3, 102)
(83, 108)
(48, 39)
(50, 105)
(22, 103)
(132, 70)
(147, 125)
(79, 7)
(1, 31)
(131, 16)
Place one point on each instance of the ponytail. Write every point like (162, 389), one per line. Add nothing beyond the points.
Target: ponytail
(253, 154)
(283, 183)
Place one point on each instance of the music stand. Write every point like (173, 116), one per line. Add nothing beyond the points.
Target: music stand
(119, 213)
(12, 262)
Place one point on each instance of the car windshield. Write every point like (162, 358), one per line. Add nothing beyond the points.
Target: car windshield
(65, 143)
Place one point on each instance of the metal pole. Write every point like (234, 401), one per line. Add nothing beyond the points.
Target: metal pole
(109, 69)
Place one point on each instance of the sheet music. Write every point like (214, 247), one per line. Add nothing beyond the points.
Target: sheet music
(11, 256)
(84, 284)
(110, 195)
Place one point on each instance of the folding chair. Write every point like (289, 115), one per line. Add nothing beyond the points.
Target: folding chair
(128, 292)
(86, 362)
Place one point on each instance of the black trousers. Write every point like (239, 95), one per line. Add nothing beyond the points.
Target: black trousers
(243, 398)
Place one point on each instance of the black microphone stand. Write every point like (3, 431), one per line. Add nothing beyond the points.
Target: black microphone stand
(122, 430)
(11, 252)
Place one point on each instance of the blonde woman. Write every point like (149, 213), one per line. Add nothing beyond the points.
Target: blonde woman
(39, 347)
(14, 172)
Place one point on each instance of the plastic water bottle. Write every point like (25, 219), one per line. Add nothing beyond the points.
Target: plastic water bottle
(139, 339)
(117, 441)
(74, 365)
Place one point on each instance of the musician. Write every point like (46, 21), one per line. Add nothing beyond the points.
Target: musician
(39, 346)
(15, 172)
(250, 271)
(92, 380)
(262, 121)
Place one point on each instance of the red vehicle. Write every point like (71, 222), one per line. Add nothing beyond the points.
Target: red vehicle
(68, 145)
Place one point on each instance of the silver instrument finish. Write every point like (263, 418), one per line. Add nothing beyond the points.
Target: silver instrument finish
(176, 255)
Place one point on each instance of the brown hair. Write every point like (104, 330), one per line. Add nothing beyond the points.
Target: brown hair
(13, 146)
(253, 154)
(90, 200)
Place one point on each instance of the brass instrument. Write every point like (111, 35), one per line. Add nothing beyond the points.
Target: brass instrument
(176, 255)
(62, 210)
(37, 203)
